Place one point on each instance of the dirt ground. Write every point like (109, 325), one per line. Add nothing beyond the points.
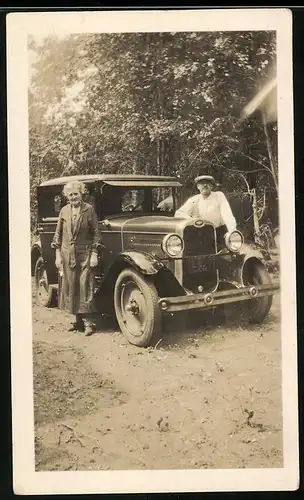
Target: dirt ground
(207, 397)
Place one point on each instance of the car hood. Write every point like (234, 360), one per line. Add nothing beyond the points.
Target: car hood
(149, 223)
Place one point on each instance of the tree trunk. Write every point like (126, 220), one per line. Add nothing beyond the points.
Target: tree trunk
(134, 193)
(256, 223)
(162, 158)
(269, 150)
(158, 162)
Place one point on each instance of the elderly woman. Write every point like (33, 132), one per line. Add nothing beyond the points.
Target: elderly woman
(209, 206)
(77, 241)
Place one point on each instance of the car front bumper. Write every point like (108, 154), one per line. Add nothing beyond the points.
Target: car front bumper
(205, 300)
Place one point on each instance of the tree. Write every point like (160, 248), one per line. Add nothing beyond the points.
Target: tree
(163, 103)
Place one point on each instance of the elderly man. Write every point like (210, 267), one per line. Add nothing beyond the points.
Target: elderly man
(209, 206)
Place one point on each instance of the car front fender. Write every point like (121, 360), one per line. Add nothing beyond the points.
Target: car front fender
(249, 251)
(142, 262)
(231, 265)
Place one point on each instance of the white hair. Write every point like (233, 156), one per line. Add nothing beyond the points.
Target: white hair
(79, 186)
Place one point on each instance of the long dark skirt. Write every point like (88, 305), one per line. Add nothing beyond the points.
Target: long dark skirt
(77, 284)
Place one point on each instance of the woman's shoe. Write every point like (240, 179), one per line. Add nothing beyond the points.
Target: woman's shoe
(89, 330)
(76, 327)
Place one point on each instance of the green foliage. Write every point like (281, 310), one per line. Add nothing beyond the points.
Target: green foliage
(164, 103)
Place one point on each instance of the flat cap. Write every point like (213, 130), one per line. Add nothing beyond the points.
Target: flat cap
(205, 178)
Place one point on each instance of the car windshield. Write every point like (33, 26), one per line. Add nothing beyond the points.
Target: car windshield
(115, 200)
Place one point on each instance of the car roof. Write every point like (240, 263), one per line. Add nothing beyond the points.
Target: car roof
(117, 180)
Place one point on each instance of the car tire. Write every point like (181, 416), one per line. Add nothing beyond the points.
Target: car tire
(136, 308)
(257, 309)
(45, 295)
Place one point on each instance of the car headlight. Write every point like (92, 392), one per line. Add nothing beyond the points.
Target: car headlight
(173, 245)
(234, 241)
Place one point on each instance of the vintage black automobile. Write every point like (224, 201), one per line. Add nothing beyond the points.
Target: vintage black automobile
(154, 264)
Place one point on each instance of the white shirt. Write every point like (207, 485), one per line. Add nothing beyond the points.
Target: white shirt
(214, 209)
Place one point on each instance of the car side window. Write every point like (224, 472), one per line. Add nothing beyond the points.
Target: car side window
(57, 204)
(89, 196)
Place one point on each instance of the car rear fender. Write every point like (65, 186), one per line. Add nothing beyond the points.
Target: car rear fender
(36, 252)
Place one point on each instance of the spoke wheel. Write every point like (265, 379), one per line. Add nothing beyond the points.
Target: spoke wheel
(137, 312)
(45, 295)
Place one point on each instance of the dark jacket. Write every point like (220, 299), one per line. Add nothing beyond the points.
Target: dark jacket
(76, 246)
(85, 234)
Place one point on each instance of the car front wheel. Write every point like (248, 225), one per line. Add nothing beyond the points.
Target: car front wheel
(45, 295)
(257, 309)
(137, 312)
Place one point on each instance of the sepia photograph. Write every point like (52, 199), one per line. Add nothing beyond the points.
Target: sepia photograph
(152, 251)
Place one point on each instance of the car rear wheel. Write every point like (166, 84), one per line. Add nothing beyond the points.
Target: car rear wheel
(257, 309)
(136, 307)
(45, 295)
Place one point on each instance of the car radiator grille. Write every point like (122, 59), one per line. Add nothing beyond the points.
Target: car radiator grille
(199, 265)
(199, 240)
